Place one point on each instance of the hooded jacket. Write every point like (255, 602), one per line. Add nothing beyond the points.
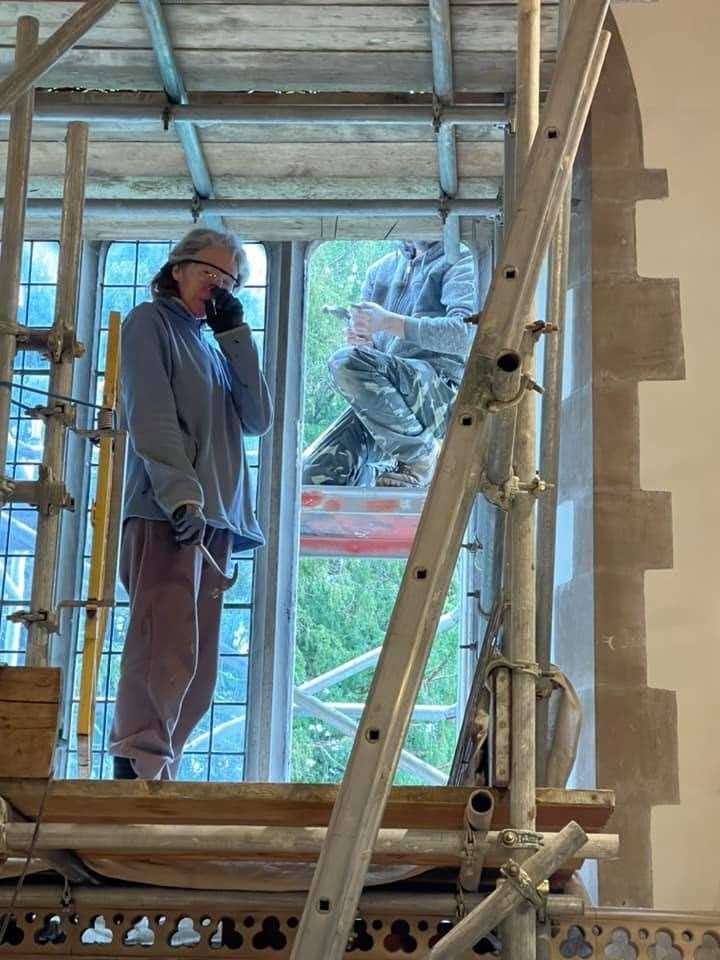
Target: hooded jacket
(188, 399)
(435, 297)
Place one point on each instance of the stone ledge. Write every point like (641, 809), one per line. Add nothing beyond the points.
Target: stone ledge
(648, 343)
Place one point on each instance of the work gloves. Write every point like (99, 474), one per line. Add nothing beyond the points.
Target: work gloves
(188, 523)
(224, 312)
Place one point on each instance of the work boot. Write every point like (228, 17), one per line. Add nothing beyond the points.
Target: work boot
(418, 473)
(123, 769)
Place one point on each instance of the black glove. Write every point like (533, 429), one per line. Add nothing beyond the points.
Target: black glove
(188, 523)
(224, 312)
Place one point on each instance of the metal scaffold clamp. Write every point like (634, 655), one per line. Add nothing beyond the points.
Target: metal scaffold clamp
(444, 204)
(196, 207)
(437, 113)
(526, 383)
(515, 666)
(47, 341)
(535, 487)
(502, 495)
(46, 493)
(521, 881)
(46, 619)
(521, 839)
(66, 413)
(6, 489)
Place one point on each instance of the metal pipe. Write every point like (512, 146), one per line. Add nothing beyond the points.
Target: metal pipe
(41, 896)
(56, 423)
(448, 176)
(479, 812)
(479, 809)
(362, 662)
(332, 901)
(337, 674)
(13, 226)
(509, 897)
(424, 712)
(396, 845)
(442, 52)
(266, 209)
(323, 711)
(53, 109)
(499, 465)
(176, 92)
(443, 88)
(519, 933)
(550, 440)
(50, 51)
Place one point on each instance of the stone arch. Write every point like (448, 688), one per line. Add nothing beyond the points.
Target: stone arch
(636, 335)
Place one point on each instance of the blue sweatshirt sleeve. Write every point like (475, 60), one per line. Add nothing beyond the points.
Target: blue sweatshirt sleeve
(381, 340)
(448, 333)
(150, 411)
(250, 392)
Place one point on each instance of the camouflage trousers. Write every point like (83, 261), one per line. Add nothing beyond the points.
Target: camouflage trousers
(398, 407)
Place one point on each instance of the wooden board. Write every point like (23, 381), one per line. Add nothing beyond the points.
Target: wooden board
(261, 133)
(280, 804)
(285, 70)
(326, 228)
(29, 709)
(291, 161)
(272, 27)
(310, 188)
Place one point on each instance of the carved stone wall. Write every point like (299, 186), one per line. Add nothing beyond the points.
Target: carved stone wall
(636, 336)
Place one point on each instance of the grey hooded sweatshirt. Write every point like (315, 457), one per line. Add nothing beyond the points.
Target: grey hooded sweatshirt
(188, 399)
(434, 296)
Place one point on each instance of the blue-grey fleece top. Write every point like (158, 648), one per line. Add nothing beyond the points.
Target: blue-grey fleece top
(434, 296)
(187, 400)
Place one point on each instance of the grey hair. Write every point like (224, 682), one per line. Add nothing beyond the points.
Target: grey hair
(163, 284)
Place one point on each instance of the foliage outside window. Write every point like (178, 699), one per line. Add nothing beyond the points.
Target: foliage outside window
(344, 604)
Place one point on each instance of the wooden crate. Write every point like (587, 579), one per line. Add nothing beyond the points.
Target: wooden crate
(29, 709)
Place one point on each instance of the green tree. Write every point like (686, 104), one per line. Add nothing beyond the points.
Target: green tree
(335, 277)
(344, 604)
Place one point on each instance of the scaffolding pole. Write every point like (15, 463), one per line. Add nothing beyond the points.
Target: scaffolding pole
(398, 845)
(176, 92)
(444, 92)
(518, 891)
(50, 51)
(519, 933)
(355, 821)
(59, 415)
(558, 260)
(51, 108)
(268, 209)
(139, 898)
(13, 226)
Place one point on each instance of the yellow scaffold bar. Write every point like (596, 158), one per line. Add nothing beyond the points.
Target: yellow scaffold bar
(96, 616)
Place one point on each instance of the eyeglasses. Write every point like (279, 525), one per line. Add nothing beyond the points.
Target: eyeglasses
(219, 277)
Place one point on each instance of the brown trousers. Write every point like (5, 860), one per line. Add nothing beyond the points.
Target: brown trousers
(170, 659)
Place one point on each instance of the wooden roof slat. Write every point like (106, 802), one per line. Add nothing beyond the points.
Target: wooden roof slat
(285, 160)
(239, 188)
(272, 27)
(235, 70)
(286, 133)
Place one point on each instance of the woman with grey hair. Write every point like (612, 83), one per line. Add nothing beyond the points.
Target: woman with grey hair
(189, 396)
